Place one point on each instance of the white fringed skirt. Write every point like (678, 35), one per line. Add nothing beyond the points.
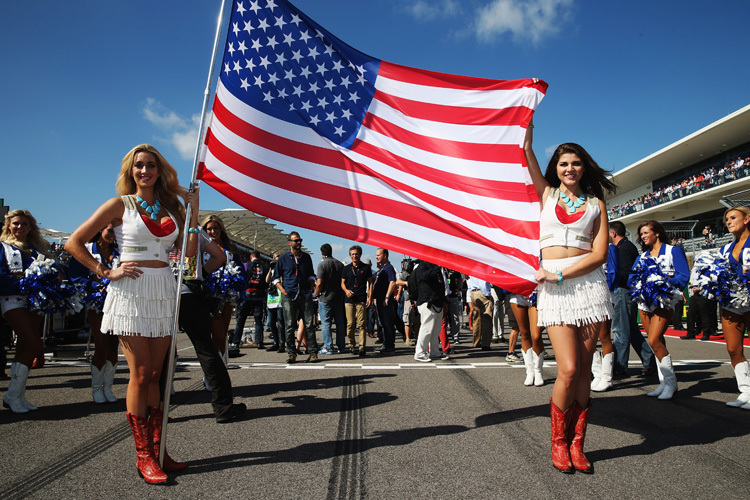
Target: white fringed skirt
(577, 301)
(143, 306)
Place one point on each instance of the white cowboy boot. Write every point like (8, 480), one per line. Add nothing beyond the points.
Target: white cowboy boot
(96, 385)
(528, 363)
(660, 388)
(12, 397)
(108, 379)
(538, 362)
(605, 382)
(670, 380)
(596, 370)
(742, 374)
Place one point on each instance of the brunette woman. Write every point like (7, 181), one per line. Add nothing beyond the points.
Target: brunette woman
(573, 299)
(657, 317)
(102, 247)
(222, 316)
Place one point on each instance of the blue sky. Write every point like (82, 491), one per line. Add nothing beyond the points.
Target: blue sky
(84, 81)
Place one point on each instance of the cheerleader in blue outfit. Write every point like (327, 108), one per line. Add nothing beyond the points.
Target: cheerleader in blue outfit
(735, 321)
(21, 244)
(656, 317)
(104, 362)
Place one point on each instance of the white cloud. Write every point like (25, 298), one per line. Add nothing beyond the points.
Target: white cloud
(183, 131)
(429, 10)
(524, 20)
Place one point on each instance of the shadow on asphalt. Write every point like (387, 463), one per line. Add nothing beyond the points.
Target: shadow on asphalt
(312, 452)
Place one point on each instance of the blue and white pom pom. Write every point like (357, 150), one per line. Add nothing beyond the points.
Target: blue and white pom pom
(532, 298)
(45, 292)
(718, 281)
(228, 283)
(93, 292)
(649, 287)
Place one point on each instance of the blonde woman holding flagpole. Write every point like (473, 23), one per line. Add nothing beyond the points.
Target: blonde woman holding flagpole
(148, 219)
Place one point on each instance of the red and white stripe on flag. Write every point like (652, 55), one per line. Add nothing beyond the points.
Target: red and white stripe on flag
(436, 171)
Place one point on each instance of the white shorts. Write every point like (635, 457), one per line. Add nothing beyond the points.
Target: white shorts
(10, 302)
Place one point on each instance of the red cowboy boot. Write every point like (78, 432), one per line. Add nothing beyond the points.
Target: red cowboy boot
(146, 463)
(578, 423)
(170, 465)
(560, 451)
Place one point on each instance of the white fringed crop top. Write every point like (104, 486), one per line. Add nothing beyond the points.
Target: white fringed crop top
(578, 234)
(136, 241)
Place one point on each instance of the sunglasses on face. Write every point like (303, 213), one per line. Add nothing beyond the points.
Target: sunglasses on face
(298, 240)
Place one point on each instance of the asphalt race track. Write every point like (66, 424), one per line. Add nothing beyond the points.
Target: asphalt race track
(384, 427)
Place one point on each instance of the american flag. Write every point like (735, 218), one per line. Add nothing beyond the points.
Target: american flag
(309, 131)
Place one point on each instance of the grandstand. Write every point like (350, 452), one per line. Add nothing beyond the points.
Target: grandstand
(689, 184)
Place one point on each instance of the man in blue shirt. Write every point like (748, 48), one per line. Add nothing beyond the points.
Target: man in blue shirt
(382, 294)
(295, 280)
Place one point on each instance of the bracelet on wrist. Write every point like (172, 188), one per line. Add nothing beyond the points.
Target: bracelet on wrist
(194, 230)
(101, 274)
(559, 277)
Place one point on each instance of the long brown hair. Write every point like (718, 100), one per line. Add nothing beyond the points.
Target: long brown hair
(594, 180)
(167, 188)
(34, 238)
(656, 227)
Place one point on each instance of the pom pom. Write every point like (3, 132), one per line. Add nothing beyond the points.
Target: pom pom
(649, 287)
(718, 280)
(44, 290)
(228, 283)
(92, 292)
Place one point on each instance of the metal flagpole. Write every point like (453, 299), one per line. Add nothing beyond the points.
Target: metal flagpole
(181, 265)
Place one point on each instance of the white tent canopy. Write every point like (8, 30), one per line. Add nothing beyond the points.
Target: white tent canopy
(250, 230)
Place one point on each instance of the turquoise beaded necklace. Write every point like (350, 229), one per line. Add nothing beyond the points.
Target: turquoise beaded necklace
(151, 209)
(573, 205)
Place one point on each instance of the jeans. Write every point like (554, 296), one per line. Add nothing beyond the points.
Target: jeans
(293, 309)
(385, 315)
(332, 313)
(275, 322)
(625, 332)
(254, 307)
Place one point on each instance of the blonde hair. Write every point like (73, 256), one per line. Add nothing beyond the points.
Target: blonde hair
(167, 188)
(224, 236)
(742, 209)
(34, 238)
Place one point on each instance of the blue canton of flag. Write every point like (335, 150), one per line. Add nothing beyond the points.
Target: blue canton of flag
(281, 62)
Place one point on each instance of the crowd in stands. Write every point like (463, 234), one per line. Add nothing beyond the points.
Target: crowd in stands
(716, 175)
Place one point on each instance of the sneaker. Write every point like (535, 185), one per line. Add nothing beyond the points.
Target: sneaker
(248, 345)
(422, 357)
(313, 358)
(362, 353)
(386, 351)
(410, 343)
(443, 357)
(291, 359)
(325, 351)
(511, 358)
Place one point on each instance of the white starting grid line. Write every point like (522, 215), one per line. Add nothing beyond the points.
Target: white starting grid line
(434, 365)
